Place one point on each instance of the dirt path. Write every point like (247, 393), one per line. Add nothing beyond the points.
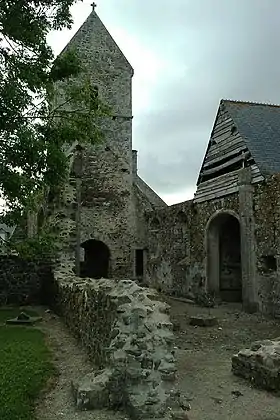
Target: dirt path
(72, 363)
(204, 364)
(204, 367)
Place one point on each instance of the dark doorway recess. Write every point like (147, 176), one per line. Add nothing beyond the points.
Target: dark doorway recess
(224, 258)
(97, 259)
(139, 262)
(230, 260)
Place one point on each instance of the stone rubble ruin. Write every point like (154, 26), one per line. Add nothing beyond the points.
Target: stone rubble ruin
(260, 364)
(130, 340)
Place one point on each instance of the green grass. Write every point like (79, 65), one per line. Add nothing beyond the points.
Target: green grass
(25, 367)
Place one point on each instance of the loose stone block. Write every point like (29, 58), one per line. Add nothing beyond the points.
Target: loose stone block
(203, 320)
(260, 364)
(179, 415)
(24, 319)
(92, 391)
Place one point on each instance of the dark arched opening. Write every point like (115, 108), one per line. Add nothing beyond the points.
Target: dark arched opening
(96, 260)
(182, 217)
(154, 224)
(224, 271)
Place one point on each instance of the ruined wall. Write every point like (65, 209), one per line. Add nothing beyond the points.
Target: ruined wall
(107, 213)
(259, 364)
(168, 247)
(143, 207)
(126, 330)
(177, 247)
(21, 281)
(267, 233)
(128, 335)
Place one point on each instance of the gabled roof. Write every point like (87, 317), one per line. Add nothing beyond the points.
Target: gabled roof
(92, 31)
(259, 126)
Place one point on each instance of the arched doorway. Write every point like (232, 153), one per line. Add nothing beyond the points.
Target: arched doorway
(96, 260)
(224, 270)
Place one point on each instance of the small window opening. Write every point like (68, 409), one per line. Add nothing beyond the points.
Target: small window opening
(182, 217)
(139, 262)
(269, 263)
(233, 130)
(155, 224)
(94, 93)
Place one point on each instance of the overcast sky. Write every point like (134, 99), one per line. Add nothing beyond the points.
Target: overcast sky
(187, 55)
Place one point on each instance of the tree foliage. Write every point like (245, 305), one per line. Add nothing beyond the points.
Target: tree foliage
(34, 125)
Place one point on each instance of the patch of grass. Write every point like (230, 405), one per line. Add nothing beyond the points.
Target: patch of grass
(25, 368)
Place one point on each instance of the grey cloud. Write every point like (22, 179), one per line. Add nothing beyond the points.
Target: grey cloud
(171, 147)
(229, 49)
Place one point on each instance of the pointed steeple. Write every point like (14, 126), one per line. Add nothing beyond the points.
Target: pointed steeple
(97, 47)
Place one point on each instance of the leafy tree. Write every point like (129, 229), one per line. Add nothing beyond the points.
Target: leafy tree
(34, 125)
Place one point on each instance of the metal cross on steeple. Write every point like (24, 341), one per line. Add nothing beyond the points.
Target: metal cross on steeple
(93, 5)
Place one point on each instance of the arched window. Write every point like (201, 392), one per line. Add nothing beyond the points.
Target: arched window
(155, 224)
(182, 217)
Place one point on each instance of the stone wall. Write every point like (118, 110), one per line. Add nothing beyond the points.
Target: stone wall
(111, 191)
(259, 364)
(177, 245)
(107, 211)
(22, 282)
(129, 338)
(267, 232)
(126, 331)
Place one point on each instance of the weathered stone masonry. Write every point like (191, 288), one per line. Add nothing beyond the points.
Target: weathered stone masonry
(225, 241)
(126, 330)
(110, 184)
(127, 333)
(107, 212)
(178, 249)
(259, 364)
(178, 245)
(21, 281)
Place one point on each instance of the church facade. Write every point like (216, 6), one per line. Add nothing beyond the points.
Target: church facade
(224, 242)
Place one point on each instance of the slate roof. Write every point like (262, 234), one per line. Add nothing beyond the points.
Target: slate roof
(259, 126)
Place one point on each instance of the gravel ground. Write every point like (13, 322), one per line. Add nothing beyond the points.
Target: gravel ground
(204, 367)
(72, 363)
(204, 364)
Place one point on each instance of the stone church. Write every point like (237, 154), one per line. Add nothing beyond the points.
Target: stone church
(225, 241)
